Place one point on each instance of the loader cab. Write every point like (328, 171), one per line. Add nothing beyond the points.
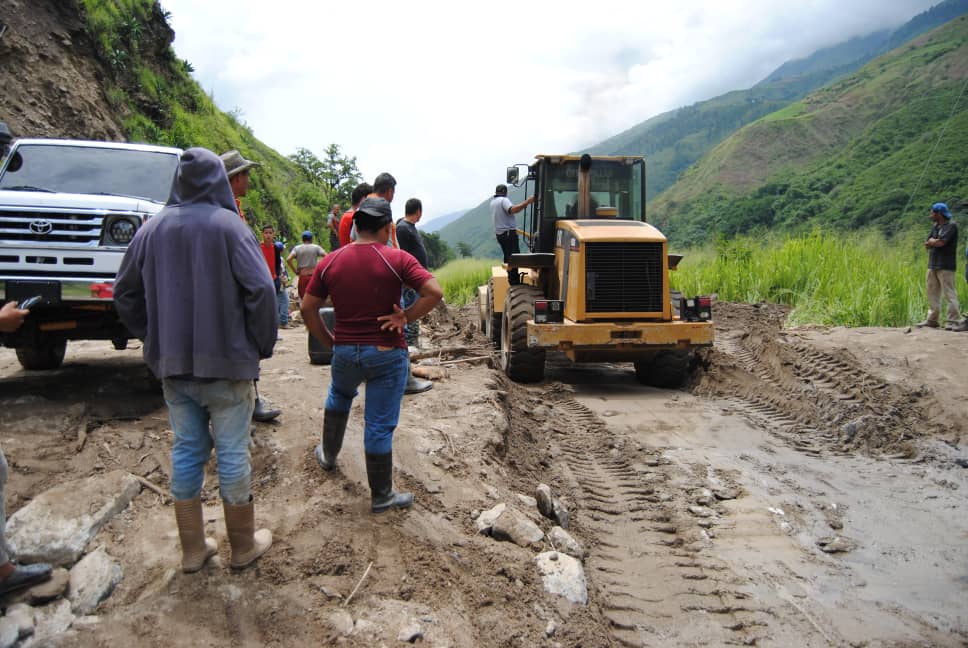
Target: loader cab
(614, 186)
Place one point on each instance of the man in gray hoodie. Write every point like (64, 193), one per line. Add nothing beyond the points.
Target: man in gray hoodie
(194, 287)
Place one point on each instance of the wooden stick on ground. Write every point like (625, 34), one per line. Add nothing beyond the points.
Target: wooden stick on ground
(152, 487)
(362, 578)
(433, 353)
(474, 359)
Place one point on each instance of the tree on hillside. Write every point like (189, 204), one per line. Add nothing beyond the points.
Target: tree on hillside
(464, 250)
(336, 173)
(438, 252)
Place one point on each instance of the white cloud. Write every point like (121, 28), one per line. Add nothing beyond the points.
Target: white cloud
(444, 95)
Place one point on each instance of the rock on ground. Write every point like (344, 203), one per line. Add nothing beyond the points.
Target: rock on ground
(486, 519)
(53, 619)
(514, 527)
(57, 524)
(341, 622)
(9, 632)
(563, 575)
(46, 591)
(22, 615)
(92, 580)
(545, 501)
(560, 514)
(410, 633)
(565, 543)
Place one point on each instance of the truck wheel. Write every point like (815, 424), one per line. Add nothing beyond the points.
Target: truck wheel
(668, 369)
(520, 363)
(493, 317)
(49, 356)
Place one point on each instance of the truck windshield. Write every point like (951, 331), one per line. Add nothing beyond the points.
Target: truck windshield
(614, 184)
(91, 170)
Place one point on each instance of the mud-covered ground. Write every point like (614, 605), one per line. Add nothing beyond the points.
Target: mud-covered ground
(804, 490)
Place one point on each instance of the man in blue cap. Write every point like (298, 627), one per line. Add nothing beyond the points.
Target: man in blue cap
(306, 256)
(942, 247)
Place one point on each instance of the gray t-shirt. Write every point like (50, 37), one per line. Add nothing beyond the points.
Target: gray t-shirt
(501, 215)
(308, 255)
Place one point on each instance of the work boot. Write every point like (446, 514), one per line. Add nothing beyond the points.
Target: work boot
(927, 324)
(416, 385)
(334, 427)
(263, 413)
(24, 576)
(958, 326)
(247, 543)
(196, 548)
(379, 472)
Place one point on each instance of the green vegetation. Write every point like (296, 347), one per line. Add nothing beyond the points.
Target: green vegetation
(160, 103)
(873, 149)
(460, 279)
(852, 280)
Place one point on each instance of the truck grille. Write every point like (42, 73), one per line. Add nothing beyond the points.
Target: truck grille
(82, 229)
(623, 277)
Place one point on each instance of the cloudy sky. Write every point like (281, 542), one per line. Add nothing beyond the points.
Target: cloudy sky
(445, 95)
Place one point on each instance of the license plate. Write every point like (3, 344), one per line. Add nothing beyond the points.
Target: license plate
(21, 289)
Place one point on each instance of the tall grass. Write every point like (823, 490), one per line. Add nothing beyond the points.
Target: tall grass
(460, 278)
(834, 279)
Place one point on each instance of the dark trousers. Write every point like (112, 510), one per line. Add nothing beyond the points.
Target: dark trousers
(509, 245)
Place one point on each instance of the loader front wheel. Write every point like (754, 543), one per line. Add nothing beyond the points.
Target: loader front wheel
(521, 363)
(493, 322)
(668, 369)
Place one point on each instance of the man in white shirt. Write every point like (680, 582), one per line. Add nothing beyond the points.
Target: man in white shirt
(307, 256)
(506, 226)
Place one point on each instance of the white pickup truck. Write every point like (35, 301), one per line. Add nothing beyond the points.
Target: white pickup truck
(68, 210)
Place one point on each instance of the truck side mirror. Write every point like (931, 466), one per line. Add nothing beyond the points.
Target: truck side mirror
(512, 178)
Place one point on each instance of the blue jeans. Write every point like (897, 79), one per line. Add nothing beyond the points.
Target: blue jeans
(412, 330)
(282, 303)
(385, 374)
(227, 405)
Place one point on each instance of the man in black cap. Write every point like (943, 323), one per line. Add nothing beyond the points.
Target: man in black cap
(237, 168)
(506, 226)
(364, 281)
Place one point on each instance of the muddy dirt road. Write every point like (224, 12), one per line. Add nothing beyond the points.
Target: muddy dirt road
(804, 490)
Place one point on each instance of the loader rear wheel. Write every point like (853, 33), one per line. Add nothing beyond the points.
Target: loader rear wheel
(668, 369)
(520, 363)
(493, 317)
(49, 355)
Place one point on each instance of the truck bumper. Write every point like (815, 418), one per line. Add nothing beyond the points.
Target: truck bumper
(620, 337)
(71, 289)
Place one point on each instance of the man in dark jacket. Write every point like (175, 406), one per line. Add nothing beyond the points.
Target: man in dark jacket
(411, 241)
(194, 287)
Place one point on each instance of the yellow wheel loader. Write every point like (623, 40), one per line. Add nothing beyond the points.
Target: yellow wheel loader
(594, 282)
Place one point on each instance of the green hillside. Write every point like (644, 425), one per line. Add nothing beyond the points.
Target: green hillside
(160, 103)
(873, 148)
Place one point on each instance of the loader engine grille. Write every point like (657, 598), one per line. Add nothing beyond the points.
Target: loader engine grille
(623, 277)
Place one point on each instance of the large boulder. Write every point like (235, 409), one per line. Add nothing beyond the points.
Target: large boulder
(92, 580)
(563, 576)
(57, 525)
(565, 543)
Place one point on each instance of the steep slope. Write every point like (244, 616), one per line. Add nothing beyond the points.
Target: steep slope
(857, 152)
(105, 69)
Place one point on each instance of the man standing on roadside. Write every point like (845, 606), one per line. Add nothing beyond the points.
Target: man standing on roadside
(506, 226)
(332, 224)
(364, 281)
(272, 251)
(307, 256)
(411, 241)
(942, 247)
(203, 339)
(361, 191)
(14, 577)
(237, 168)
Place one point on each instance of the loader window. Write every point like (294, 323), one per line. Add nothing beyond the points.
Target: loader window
(614, 184)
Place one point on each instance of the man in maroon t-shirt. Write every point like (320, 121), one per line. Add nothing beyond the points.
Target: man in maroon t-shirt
(364, 280)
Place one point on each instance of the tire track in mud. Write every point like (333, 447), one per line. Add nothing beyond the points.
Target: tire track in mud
(650, 564)
(819, 402)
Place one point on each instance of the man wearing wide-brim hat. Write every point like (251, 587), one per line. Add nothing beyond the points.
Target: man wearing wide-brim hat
(237, 168)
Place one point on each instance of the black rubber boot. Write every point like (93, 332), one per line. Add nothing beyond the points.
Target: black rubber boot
(416, 385)
(261, 413)
(334, 427)
(24, 576)
(379, 472)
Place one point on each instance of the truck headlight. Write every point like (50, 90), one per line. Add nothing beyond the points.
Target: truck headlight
(119, 230)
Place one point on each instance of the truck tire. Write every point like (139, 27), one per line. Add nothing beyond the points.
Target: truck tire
(493, 317)
(42, 358)
(668, 369)
(520, 363)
